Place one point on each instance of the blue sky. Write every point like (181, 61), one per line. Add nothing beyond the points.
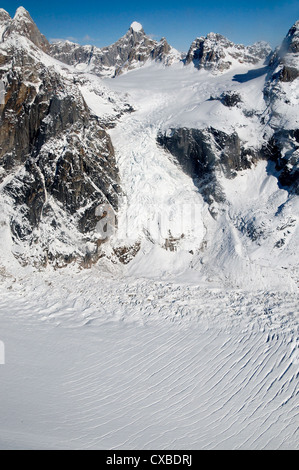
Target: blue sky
(102, 22)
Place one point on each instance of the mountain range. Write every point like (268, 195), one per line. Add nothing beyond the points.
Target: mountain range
(190, 159)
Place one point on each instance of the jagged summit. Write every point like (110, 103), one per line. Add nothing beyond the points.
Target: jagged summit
(285, 59)
(4, 15)
(291, 41)
(22, 24)
(21, 14)
(213, 52)
(5, 20)
(130, 51)
(216, 53)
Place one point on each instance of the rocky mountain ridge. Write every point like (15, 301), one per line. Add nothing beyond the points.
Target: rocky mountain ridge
(59, 172)
(129, 52)
(217, 54)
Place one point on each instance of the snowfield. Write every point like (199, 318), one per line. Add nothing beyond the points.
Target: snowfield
(94, 361)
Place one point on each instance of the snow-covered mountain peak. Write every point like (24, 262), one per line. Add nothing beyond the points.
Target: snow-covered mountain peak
(216, 53)
(285, 59)
(4, 16)
(23, 14)
(216, 37)
(135, 34)
(291, 42)
(5, 20)
(135, 26)
(23, 25)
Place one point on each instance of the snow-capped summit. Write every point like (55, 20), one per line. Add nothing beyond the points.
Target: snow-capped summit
(5, 20)
(135, 26)
(22, 13)
(291, 42)
(22, 24)
(4, 16)
(216, 53)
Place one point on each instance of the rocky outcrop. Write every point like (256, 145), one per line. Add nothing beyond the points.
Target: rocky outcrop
(285, 59)
(288, 74)
(228, 98)
(281, 97)
(216, 53)
(283, 149)
(204, 154)
(32, 105)
(208, 153)
(290, 44)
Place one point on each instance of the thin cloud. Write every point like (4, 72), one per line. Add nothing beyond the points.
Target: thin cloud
(152, 36)
(69, 38)
(88, 38)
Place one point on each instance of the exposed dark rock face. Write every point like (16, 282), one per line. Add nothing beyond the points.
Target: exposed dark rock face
(161, 50)
(133, 49)
(202, 154)
(216, 53)
(57, 163)
(283, 147)
(288, 74)
(34, 112)
(73, 54)
(229, 99)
